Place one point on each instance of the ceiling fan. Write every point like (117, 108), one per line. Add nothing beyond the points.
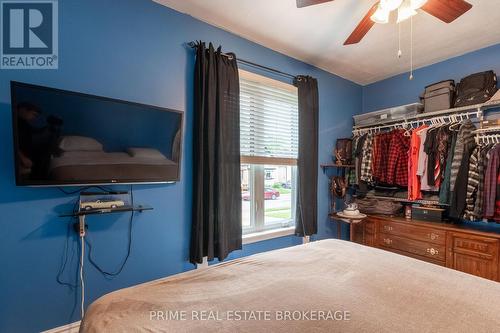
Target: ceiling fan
(445, 10)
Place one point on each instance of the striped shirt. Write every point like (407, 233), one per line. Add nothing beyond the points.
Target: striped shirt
(465, 137)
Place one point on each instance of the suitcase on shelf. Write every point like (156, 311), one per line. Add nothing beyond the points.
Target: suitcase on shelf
(439, 96)
(476, 88)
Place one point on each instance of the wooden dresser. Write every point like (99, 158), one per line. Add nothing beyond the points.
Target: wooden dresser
(464, 249)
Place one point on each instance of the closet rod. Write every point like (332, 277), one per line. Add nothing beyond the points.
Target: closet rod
(416, 121)
(252, 64)
(488, 129)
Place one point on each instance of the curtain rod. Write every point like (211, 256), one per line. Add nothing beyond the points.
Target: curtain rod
(252, 64)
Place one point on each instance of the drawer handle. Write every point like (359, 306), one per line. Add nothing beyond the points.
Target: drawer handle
(388, 241)
(432, 251)
(387, 228)
(433, 236)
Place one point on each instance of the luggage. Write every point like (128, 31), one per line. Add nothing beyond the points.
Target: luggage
(439, 96)
(395, 113)
(343, 151)
(476, 88)
(378, 206)
(427, 213)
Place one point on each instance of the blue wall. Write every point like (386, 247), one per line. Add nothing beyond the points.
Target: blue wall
(398, 90)
(133, 51)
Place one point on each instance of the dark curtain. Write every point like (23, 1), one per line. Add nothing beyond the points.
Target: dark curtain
(306, 216)
(216, 225)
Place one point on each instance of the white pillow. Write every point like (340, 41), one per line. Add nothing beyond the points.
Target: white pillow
(150, 153)
(79, 143)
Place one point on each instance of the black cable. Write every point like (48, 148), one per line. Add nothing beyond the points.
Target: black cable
(129, 247)
(64, 259)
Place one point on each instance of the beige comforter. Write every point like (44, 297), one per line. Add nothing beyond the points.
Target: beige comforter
(324, 286)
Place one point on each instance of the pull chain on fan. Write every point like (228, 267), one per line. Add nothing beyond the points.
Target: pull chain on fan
(411, 48)
(400, 53)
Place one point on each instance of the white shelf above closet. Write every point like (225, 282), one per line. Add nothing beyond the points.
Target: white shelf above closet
(464, 110)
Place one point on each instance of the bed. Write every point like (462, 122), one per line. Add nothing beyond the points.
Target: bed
(364, 289)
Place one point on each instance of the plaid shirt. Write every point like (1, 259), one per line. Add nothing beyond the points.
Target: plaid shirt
(366, 161)
(390, 158)
(397, 159)
(380, 150)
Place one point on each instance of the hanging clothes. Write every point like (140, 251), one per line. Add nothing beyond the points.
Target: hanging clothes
(352, 177)
(459, 193)
(422, 169)
(473, 185)
(465, 137)
(366, 164)
(482, 163)
(380, 151)
(397, 160)
(414, 192)
(444, 191)
(441, 146)
(430, 150)
(390, 158)
(491, 182)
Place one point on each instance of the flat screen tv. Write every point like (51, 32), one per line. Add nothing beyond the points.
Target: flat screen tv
(68, 138)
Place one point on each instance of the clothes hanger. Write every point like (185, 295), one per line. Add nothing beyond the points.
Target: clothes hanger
(407, 129)
(455, 123)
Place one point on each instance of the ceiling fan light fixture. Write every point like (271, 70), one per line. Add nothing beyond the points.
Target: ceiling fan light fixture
(405, 11)
(380, 16)
(416, 4)
(390, 5)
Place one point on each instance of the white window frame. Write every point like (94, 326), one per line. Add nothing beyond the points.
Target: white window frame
(256, 181)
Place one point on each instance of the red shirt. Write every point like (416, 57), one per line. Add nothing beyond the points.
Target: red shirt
(413, 180)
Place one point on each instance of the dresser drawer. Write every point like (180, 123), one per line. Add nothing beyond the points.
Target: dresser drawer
(483, 247)
(423, 249)
(428, 235)
(473, 254)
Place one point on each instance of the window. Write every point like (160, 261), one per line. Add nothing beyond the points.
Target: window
(269, 146)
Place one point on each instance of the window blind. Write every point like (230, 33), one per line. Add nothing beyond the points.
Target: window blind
(268, 118)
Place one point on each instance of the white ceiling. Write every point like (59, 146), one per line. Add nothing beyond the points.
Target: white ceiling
(316, 34)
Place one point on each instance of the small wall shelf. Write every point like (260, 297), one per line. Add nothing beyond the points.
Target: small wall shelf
(338, 166)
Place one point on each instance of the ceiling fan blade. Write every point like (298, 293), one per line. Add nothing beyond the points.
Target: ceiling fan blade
(363, 27)
(446, 10)
(306, 3)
